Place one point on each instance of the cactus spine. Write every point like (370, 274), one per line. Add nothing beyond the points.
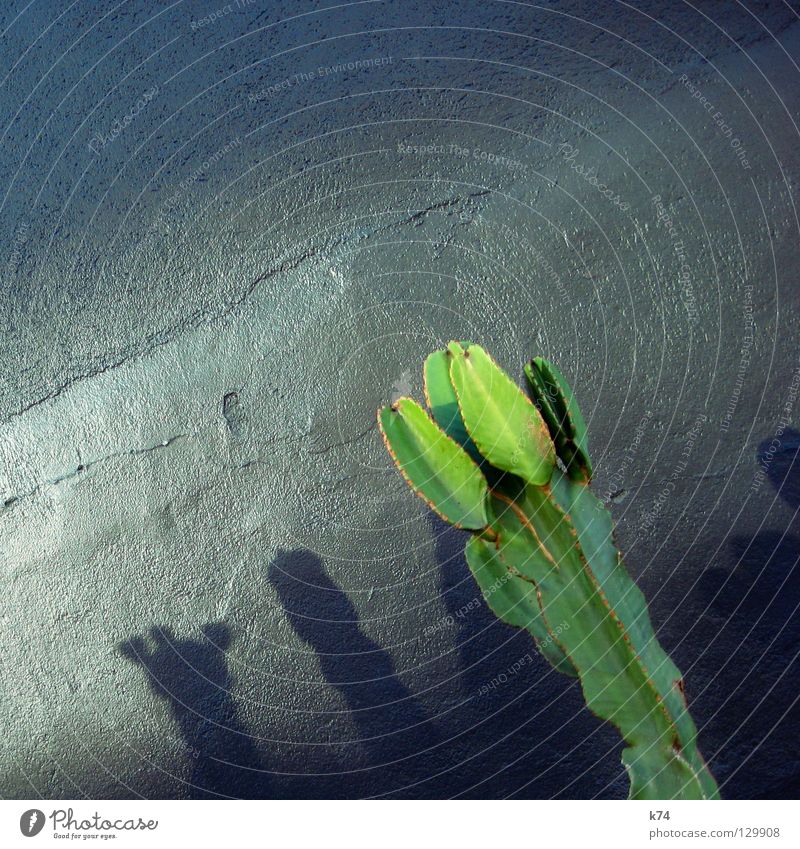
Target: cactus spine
(516, 472)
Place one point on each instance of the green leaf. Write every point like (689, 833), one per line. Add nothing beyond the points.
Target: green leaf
(436, 468)
(562, 414)
(500, 418)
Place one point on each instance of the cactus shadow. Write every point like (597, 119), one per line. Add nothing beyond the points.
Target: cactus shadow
(782, 465)
(753, 604)
(192, 677)
(394, 732)
(762, 588)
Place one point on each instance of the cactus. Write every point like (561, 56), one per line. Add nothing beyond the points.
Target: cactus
(514, 470)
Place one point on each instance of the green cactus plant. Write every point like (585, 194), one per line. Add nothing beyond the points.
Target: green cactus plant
(515, 472)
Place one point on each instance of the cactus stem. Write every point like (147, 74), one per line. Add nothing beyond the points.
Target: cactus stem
(551, 632)
(524, 520)
(518, 477)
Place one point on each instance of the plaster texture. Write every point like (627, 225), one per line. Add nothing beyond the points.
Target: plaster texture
(228, 233)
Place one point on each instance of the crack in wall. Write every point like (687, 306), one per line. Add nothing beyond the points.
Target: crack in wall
(82, 468)
(353, 439)
(201, 319)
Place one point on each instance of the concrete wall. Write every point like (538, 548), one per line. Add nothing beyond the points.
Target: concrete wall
(229, 232)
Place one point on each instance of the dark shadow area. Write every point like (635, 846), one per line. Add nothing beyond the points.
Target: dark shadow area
(752, 619)
(192, 676)
(527, 735)
(782, 464)
(393, 730)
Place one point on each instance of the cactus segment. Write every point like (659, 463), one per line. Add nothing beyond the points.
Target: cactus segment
(443, 403)
(544, 555)
(655, 775)
(594, 527)
(436, 468)
(554, 399)
(513, 600)
(500, 418)
(626, 676)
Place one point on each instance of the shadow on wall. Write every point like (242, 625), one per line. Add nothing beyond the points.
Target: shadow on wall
(527, 737)
(394, 740)
(754, 606)
(192, 677)
(394, 734)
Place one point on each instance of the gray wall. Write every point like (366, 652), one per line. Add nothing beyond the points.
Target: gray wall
(223, 243)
